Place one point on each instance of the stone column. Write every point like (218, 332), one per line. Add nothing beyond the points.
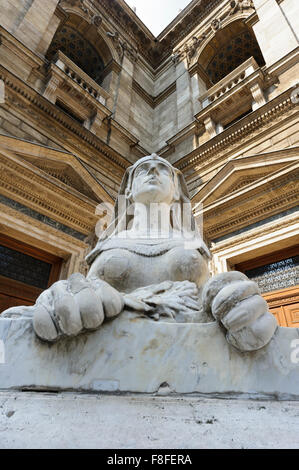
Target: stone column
(184, 96)
(124, 93)
(273, 31)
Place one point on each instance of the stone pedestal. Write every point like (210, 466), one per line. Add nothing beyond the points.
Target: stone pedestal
(69, 420)
(130, 354)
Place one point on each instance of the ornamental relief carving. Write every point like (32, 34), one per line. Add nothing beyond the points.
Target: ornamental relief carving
(90, 16)
(251, 216)
(237, 138)
(190, 50)
(240, 5)
(284, 189)
(269, 228)
(24, 173)
(122, 47)
(17, 186)
(74, 140)
(239, 184)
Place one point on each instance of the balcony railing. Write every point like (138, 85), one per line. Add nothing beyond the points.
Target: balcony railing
(237, 94)
(228, 83)
(76, 93)
(81, 78)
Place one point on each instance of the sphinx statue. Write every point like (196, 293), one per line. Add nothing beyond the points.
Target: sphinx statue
(152, 262)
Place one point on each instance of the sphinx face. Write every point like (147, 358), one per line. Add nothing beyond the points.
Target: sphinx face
(153, 183)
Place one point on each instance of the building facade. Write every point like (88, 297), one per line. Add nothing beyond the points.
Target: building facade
(86, 90)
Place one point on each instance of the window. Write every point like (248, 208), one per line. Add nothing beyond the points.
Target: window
(25, 272)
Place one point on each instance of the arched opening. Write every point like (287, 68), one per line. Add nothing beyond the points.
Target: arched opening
(79, 50)
(82, 43)
(229, 48)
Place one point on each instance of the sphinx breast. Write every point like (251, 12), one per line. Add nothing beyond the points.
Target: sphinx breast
(127, 271)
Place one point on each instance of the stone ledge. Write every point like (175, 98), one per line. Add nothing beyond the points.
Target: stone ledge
(98, 421)
(132, 354)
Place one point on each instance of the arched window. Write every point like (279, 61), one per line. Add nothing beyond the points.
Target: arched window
(229, 48)
(233, 54)
(79, 50)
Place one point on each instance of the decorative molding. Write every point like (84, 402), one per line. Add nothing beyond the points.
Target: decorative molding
(273, 182)
(256, 225)
(91, 17)
(21, 208)
(241, 183)
(191, 48)
(235, 135)
(21, 183)
(156, 50)
(153, 101)
(254, 208)
(233, 168)
(253, 234)
(276, 205)
(57, 123)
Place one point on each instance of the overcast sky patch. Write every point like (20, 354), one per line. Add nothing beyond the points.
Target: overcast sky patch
(157, 14)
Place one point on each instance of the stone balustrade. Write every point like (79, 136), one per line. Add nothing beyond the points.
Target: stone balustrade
(229, 82)
(81, 78)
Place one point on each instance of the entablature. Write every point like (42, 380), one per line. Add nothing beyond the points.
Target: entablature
(239, 92)
(233, 137)
(70, 134)
(246, 190)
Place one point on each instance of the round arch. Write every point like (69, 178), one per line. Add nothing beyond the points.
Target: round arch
(83, 43)
(228, 48)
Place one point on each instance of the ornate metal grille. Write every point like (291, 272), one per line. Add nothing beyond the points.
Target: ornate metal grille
(24, 268)
(278, 275)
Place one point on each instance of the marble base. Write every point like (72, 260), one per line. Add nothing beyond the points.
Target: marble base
(130, 354)
(72, 420)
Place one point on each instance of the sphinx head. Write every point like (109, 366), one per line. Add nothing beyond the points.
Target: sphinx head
(152, 180)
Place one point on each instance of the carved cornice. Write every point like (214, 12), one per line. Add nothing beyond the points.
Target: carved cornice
(25, 184)
(247, 128)
(249, 165)
(273, 182)
(19, 49)
(241, 183)
(253, 234)
(16, 215)
(81, 5)
(155, 50)
(254, 206)
(257, 201)
(260, 212)
(56, 123)
(182, 25)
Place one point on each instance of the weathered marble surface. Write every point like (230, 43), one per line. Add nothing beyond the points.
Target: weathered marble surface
(69, 420)
(151, 259)
(130, 354)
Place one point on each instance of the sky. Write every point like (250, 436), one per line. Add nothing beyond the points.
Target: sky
(157, 14)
